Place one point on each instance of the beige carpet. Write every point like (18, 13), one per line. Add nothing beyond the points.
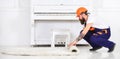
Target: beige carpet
(37, 51)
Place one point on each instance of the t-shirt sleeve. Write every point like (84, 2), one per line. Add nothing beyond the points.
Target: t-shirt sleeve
(90, 19)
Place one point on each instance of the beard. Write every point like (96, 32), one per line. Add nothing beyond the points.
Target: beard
(82, 21)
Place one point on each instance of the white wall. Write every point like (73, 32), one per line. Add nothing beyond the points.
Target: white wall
(14, 22)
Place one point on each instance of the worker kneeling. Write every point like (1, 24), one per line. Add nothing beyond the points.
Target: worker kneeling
(96, 33)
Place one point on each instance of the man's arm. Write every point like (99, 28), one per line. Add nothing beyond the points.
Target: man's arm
(82, 34)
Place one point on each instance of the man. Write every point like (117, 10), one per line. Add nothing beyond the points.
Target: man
(95, 33)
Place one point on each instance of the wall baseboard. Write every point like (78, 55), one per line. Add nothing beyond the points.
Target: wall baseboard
(56, 45)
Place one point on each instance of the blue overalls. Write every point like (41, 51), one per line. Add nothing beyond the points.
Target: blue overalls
(99, 40)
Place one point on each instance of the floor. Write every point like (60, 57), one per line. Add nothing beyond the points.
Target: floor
(59, 53)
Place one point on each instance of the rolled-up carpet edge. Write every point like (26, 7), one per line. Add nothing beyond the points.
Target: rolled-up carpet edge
(73, 49)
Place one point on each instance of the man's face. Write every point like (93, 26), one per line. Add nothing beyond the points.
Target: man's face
(82, 19)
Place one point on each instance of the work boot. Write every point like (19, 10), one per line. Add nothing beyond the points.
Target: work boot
(111, 49)
(94, 49)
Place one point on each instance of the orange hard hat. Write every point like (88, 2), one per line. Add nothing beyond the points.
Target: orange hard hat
(80, 10)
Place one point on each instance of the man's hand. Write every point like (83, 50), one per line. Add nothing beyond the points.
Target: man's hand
(72, 43)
